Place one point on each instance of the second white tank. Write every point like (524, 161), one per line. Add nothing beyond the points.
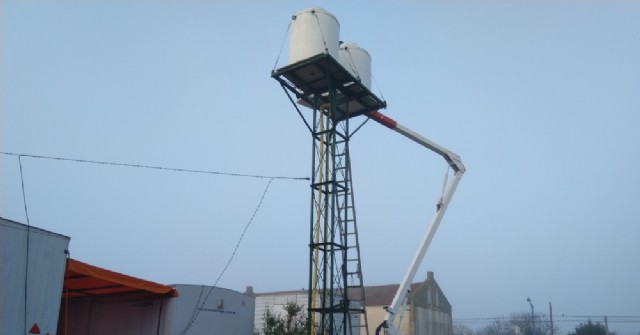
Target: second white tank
(357, 61)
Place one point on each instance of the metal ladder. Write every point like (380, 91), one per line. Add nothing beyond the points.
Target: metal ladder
(352, 269)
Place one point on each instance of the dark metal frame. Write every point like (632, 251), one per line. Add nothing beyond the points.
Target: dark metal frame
(335, 96)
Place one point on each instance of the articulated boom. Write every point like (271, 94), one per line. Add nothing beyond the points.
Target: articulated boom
(399, 301)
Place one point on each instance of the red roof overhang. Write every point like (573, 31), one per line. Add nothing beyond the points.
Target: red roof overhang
(82, 280)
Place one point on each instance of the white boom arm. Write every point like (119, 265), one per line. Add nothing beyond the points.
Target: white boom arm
(456, 164)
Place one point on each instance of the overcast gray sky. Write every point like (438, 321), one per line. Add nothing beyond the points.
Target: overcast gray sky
(541, 100)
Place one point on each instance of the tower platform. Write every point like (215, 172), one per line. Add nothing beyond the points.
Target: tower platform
(313, 79)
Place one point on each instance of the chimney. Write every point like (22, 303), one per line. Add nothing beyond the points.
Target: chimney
(249, 291)
(430, 276)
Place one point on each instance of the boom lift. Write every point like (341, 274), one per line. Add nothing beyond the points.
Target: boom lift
(400, 299)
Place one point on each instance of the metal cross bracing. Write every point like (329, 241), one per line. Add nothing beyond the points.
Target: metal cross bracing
(336, 290)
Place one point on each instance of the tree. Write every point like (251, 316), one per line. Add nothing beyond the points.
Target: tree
(519, 324)
(590, 328)
(498, 327)
(460, 329)
(293, 322)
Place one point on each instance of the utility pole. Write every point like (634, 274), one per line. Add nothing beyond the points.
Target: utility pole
(533, 325)
(551, 317)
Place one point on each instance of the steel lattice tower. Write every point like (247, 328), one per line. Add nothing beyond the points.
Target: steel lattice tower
(336, 290)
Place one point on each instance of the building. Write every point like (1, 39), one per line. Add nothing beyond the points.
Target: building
(192, 309)
(428, 310)
(209, 310)
(275, 302)
(99, 301)
(45, 292)
(32, 265)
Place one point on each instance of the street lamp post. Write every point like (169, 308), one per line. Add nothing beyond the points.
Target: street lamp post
(533, 329)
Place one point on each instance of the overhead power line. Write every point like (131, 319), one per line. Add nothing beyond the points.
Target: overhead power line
(599, 316)
(200, 305)
(562, 318)
(503, 317)
(153, 167)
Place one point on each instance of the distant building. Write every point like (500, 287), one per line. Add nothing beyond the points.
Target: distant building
(275, 302)
(428, 310)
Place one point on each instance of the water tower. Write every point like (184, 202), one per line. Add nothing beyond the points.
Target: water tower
(331, 80)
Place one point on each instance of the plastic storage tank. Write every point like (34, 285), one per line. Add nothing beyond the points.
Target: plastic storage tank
(357, 61)
(313, 31)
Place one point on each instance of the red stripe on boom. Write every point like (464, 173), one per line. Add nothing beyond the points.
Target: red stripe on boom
(383, 119)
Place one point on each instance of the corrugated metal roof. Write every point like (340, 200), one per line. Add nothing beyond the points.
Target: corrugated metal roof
(83, 280)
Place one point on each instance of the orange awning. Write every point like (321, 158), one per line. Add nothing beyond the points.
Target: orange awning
(82, 280)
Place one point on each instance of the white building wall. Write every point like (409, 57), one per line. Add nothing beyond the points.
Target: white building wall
(37, 273)
(223, 312)
(276, 302)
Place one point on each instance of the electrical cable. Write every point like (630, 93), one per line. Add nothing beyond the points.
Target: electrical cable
(352, 65)
(282, 45)
(375, 82)
(230, 174)
(196, 309)
(556, 319)
(24, 196)
(598, 316)
(196, 313)
(26, 268)
(324, 41)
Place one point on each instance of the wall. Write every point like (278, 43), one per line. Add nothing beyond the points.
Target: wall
(40, 276)
(101, 317)
(276, 302)
(224, 311)
(428, 310)
(431, 311)
(376, 314)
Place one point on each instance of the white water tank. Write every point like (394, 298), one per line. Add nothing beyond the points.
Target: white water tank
(313, 31)
(357, 61)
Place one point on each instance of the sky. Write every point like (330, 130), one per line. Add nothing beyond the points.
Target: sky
(540, 99)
